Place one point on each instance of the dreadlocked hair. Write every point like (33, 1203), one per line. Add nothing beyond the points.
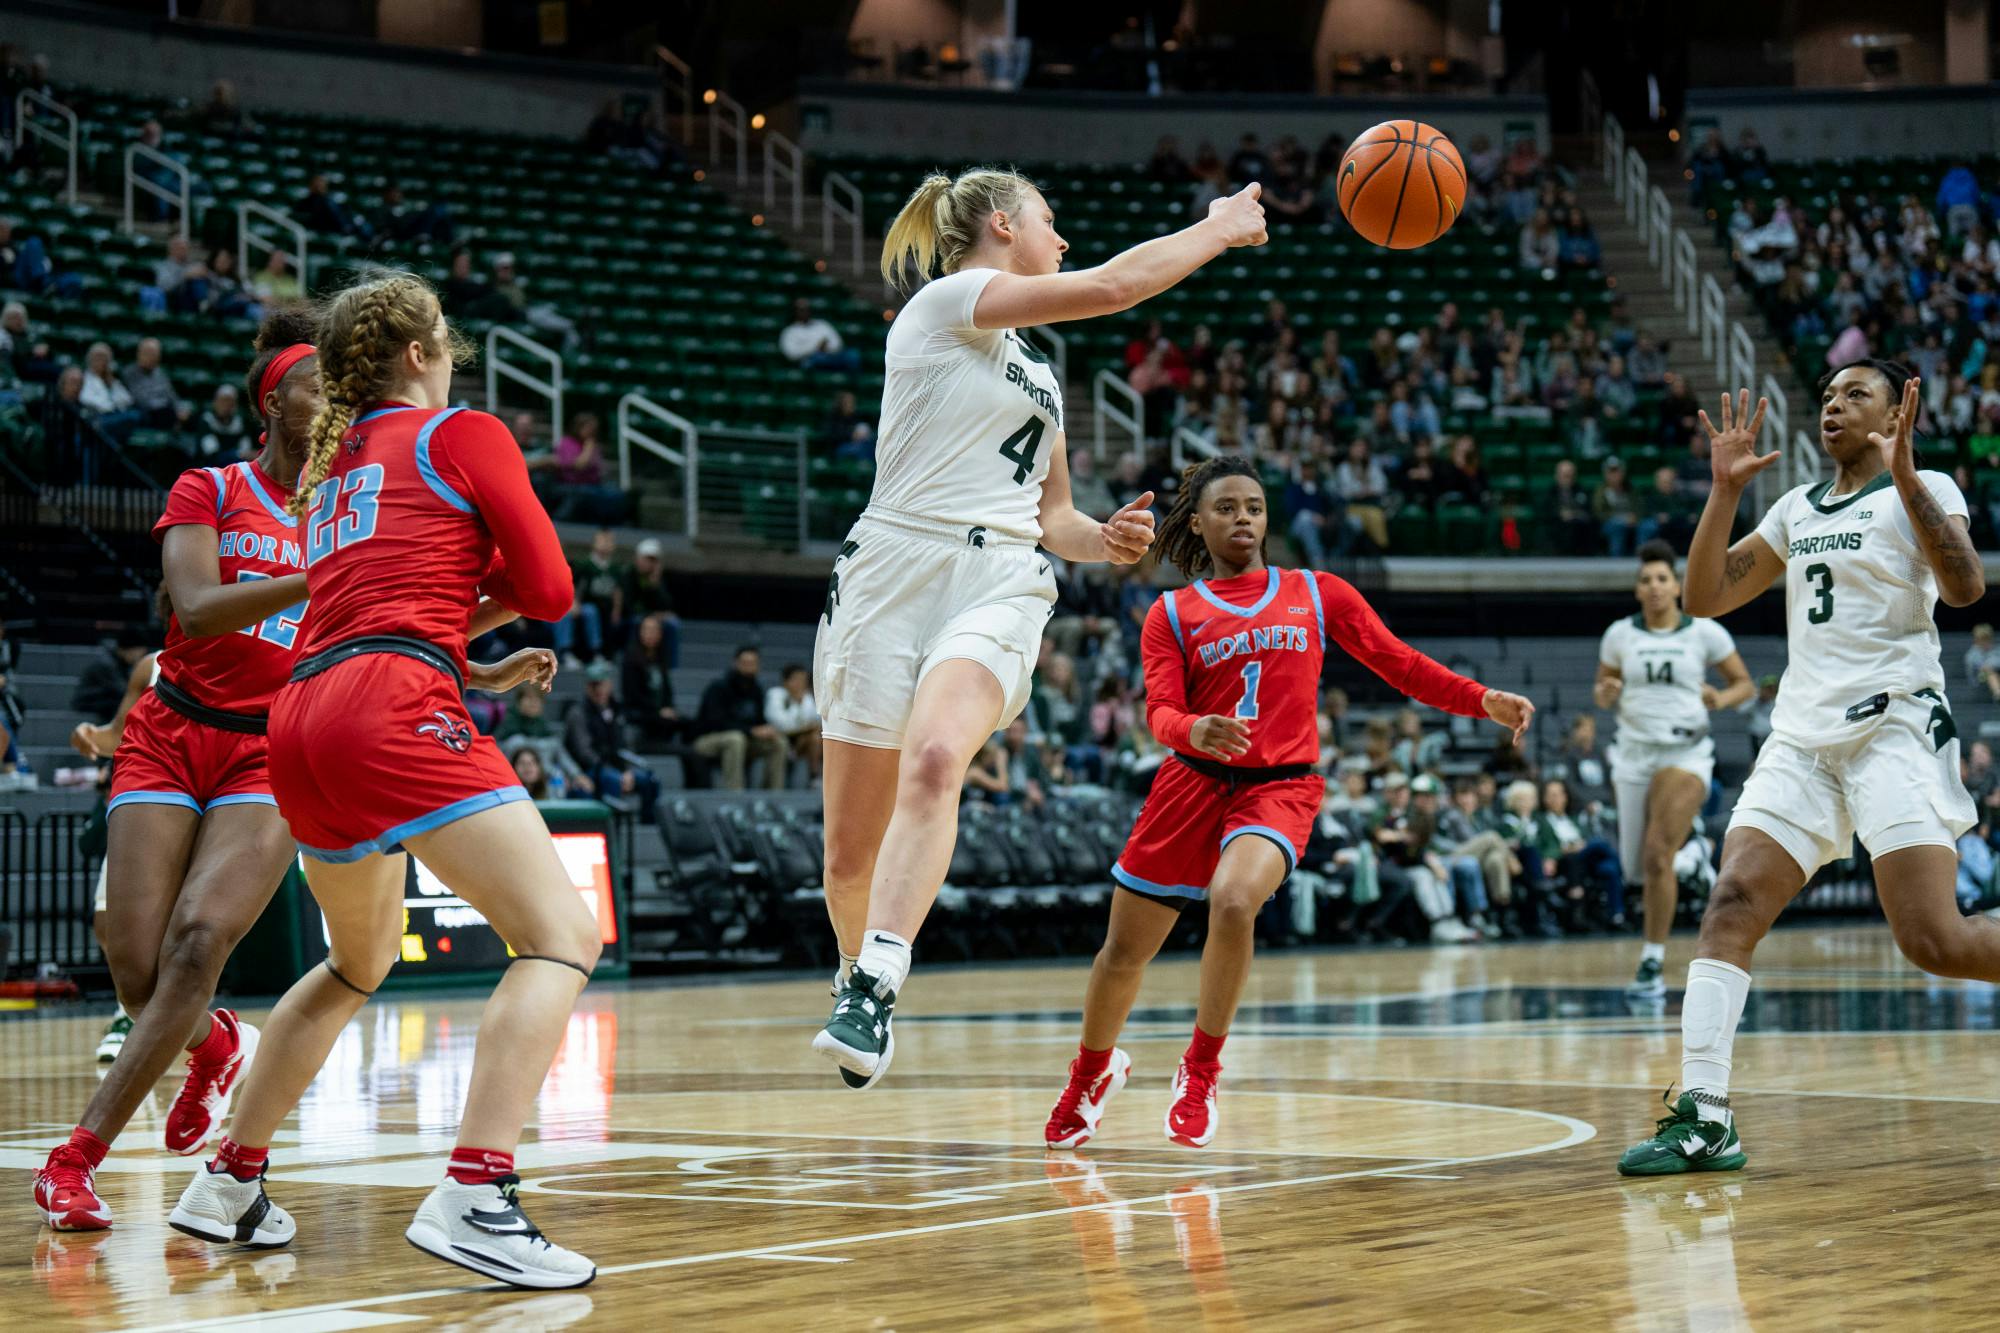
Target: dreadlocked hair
(283, 326)
(361, 336)
(1179, 544)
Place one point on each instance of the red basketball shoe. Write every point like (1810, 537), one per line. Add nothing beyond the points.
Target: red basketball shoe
(1191, 1120)
(203, 1102)
(1082, 1102)
(66, 1193)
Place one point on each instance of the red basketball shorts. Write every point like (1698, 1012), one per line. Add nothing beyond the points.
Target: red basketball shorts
(165, 758)
(376, 749)
(1189, 818)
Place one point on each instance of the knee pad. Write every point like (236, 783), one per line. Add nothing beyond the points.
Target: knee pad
(1704, 1015)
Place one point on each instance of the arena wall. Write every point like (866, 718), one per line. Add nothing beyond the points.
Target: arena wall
(1802, 123)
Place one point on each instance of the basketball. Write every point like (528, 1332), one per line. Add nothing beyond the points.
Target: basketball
(1401, 184)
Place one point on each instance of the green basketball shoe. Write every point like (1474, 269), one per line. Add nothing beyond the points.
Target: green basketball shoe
(857, 1036)
(1682, 1141)
(113, 1040)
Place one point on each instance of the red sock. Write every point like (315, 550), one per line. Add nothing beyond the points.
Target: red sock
(239, 1161)
(479, 1166)
(1204, 1049)
(219, 1044)
(1089, 1063)
(87, 1143)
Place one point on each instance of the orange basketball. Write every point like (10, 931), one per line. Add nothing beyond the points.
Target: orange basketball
(1401, 184)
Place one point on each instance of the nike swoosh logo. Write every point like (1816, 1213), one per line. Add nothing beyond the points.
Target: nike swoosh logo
(518, 1224)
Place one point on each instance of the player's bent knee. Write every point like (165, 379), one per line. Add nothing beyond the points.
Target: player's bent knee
(1234, 907)
(932, 770)
(1732, 915)
(200, 946)
(1934, 946)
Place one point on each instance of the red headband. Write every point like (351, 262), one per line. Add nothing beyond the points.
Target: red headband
(280, 364)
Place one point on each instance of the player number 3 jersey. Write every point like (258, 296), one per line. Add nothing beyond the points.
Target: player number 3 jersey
(1663, 672)
(1858, 602)
(970, 416)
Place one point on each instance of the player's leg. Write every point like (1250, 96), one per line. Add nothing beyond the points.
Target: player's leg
(1917, 887)
(860, 795)
(1139, 926)
(113, 1039)
(957, 709)
(1670, 803)
(149, 846)
(240, 854)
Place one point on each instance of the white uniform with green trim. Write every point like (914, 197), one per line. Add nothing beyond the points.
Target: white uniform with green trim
(943, 564)
(1862, 738)
(1661, 721)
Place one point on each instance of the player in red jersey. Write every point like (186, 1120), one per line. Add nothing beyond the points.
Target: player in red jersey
(1232, 686)
(409, 510)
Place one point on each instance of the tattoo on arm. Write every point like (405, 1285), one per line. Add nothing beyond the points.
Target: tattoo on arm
(1948, 545)
(1738, 567)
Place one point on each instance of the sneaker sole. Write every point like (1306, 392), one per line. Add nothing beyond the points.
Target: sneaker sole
(1186, 1141)
(852, 1072)
(1672, 1166)
(75, 1221)
(203, 1228)
(245, 1054)
(1121, 1071)
(439, 1246)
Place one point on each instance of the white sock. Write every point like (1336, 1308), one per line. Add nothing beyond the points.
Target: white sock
(1652, 953)
(1710, 1011)
(886, 958)
(847, 961)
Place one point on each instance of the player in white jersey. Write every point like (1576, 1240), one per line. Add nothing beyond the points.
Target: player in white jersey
(1862, 742)
(1653, 667)
(935, 611)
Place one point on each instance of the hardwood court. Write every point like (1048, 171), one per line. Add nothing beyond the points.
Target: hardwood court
(1415, 1139)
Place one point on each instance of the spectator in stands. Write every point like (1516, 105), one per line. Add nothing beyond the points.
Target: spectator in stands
(152, 391)
(223, 116)
(730, 730)
(1086, 488)
(405, 221)
(1581, 763)
(181, 279)
(509, 298)
(647, 685)
(595, 738)
(812, 343)
(526, 726)
(32, 357)
(1647, 363)
(1363, 489)
(1677, 412)
(1167, 166)
(1211, 182)
(227, 297)
(1614, 509)
(1981, 779)
(1463, 875)
(1567, 510)
(1465, 831)
(464, 291)
(537, 781)
(1290, 201)
(154, 207)
(1760, 709)
(221, 431)
(617, 133)
(1463, 479)
(15, 770)
(1582, 863)
(105, 401)
(1415, 750)
(789, 708)
(578, 469)
(1696, 476)
(600, 588)
(1319, 517)
(1248, 163)
(1578, 246)
(1666, 511)
(646, 593)
(1540, 246)
(1749, 159)
(275, 283)
(1707, 165)
(849, 435)
(1058, 715)
(1421, 480)
(65, 435)
(100, 686)
(1615, 388)
(1982, 661)
(321, 210)
(1416, 893)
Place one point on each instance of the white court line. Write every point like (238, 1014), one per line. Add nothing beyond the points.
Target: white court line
(803, 1258)
(1579, 1132)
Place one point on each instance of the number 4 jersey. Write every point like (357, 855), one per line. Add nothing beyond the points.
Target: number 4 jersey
(1252, 646)
(969, 416)
(254, 539)
(1858, 602)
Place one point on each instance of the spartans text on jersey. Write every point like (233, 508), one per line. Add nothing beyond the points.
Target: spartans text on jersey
(1829, 541)
(1017, 374)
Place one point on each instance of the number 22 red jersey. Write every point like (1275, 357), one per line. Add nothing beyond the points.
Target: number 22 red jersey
(422, 512)
(1252, 646)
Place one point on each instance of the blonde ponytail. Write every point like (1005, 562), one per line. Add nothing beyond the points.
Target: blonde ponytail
(943, 219)
(361, 339)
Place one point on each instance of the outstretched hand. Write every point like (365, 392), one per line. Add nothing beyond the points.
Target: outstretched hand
(1897, 450)
(1241, 216)
(1128, 534)
(535, 666)
(1510, 711)
(1732, 450)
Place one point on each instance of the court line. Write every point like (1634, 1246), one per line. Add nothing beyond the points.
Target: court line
(806, 1258)
(1580, 1131)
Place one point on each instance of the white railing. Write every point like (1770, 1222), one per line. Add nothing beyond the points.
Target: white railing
(1636, 181)
(1686, 280)
(1742, 358)
(550, 389)
(1590, 101)
(687, 458)
(726, 117)
(246, 238)
(1659, 236)
(1614, 156)
(840, 200)
(676, 85)
(1058, 353)
(1129, 412)
(1186, 440)
(69, 140)
(180, 198)
(784, 162)
(1714, 326)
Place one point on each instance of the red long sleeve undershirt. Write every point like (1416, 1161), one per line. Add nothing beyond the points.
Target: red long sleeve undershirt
(529, 574)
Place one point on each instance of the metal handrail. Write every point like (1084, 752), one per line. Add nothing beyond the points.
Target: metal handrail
(496, 370)
(133, 180)
(721, 104)
(784, 161)
(24, 125)
(687, 457)
(1614, 156)
(674, 66)
(1186, 440)
(1686, 279)
(245, 238)
(1714, 325)
(847, 210)
(1636, 181)
(1133, 420)
(1659, 240)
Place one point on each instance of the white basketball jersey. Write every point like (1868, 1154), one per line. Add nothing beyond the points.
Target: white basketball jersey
(970, 416)
(1663, 673)
(1858, 601)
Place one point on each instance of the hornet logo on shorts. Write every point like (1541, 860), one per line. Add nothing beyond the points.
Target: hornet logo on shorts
(451, 733)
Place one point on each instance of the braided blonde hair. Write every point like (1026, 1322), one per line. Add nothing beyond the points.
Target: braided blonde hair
(944, 218)
(362, 335)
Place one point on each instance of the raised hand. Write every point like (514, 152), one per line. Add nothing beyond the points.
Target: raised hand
(1220, 737)
(1510, 711)
(1732, 450)
(1241, 216)
(1897, 450)
(1128, 534)
(536, 666)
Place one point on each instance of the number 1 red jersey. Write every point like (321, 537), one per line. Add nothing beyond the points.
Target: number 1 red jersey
(422, 512)
(1251, 647)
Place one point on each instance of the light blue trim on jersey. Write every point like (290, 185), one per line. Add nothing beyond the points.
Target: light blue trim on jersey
(392, 841)
(244, 798)
(221, 488)
(385, 411)
(1132, 881)
(1270, 591)
(430, 473)
(1284, 843)
(179, 798)
(272, 507)
(1319, 609)
(1174, 618)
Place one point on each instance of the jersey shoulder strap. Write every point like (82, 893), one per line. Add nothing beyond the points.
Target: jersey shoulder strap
(1173, 613)
(1318, 606)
